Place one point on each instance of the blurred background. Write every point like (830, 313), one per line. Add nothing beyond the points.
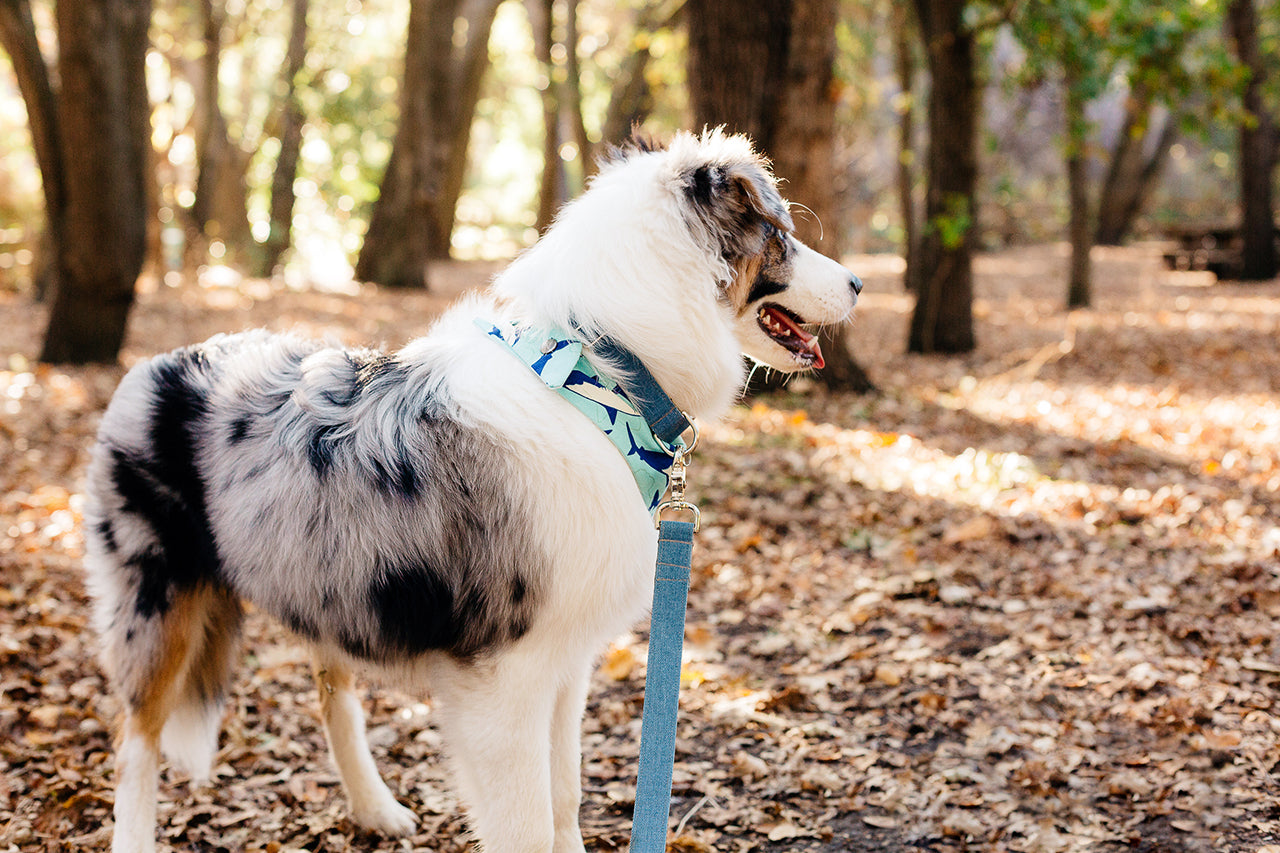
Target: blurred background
(317, 141)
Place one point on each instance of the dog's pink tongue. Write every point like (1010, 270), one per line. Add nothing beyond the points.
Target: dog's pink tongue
(807, 342)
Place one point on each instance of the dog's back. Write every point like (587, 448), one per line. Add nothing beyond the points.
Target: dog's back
(290, 474)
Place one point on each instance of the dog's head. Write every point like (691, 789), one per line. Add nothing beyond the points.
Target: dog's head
(780, 290)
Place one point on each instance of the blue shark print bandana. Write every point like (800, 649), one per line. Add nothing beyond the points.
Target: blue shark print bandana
(558, 360)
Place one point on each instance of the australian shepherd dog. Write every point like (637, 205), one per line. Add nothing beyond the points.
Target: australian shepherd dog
(437, 516)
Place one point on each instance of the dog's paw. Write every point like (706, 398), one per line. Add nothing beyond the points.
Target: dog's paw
(389, 818)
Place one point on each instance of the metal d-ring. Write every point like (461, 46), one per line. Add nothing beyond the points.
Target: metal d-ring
(678, 505)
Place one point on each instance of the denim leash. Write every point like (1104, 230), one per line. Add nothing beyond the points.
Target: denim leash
(662, 687)
(670, 596)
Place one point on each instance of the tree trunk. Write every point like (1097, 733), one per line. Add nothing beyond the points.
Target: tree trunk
(291, 121)
(766, 69)
(573, 92)
(553, 190)
(220, 210)
(18, 37)
(905, 66)
(1080, 280)
(737, 62)
(464, 93)
(412, 220)
(631, 100)
(942, 321)
(1257, 150)
(1132, 174)
(105, 120)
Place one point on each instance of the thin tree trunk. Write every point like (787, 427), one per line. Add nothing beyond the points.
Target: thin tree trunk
(463, 94)
(1257, 151)
(905, 66)
(573, 91)
(291, 121)
(1132, 174)
(942, 321)
(220, 210)
(412, 221)
(631, 100)
(105, 120)
(18, 37)
(1080, 280)
(552, 190)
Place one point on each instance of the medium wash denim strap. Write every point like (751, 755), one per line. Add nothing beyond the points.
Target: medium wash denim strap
(662, 687)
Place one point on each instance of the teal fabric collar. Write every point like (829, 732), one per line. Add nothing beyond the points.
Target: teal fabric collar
(558, 359)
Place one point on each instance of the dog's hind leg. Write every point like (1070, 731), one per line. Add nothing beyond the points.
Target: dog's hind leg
(190, 735)
(151, 659)
(372, 804)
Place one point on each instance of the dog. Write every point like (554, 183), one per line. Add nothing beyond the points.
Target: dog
(438, 516)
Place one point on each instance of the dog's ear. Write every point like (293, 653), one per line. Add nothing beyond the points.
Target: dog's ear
(734, 200)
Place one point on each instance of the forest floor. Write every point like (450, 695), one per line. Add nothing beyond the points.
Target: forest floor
(1023, 600)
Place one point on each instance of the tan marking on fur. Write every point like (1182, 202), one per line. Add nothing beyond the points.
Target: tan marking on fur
(198, 639)
(150, 706)
(744, 276)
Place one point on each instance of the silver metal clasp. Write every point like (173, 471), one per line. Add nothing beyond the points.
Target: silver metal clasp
(679, 466)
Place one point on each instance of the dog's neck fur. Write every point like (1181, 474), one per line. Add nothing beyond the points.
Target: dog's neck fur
(633, 272)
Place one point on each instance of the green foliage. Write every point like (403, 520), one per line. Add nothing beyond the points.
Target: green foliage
(953, 225)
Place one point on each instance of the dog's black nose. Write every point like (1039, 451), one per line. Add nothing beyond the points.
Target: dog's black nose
(856, 284)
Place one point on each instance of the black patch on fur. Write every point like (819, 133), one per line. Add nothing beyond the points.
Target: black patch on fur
(320, 449)
(639, 142)
(107, 534)
(166, 489)
(519, 589)
(764, 287)
(240, 429)
(397, 477)
(706, 180)
(415, 608)
(298, 625)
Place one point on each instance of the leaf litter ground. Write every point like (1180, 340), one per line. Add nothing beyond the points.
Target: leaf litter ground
(1022, 600)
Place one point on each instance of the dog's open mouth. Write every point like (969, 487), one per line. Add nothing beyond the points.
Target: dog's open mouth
(788, 330)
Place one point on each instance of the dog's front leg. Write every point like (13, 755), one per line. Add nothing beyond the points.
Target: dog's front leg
(496, 720)
(566, 759)
(372, 804)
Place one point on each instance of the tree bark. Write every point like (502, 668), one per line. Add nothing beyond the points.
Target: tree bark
(412, 220)
(18, 37)
(573, 91)
(1257, 151)
(1080, 279)
(291, 122)
(905, 67)
(105, 120)
(1132, 173)
(220, 210)
(942, 321)
(553, 189)
(736, 64)
(767, 69)
(467, 73)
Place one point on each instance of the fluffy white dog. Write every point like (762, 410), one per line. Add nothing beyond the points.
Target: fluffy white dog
(444, 516)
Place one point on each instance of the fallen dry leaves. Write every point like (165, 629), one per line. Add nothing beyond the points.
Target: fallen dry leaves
(1023, 600)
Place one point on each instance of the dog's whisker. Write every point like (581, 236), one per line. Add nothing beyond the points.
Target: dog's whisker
(816, 217)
